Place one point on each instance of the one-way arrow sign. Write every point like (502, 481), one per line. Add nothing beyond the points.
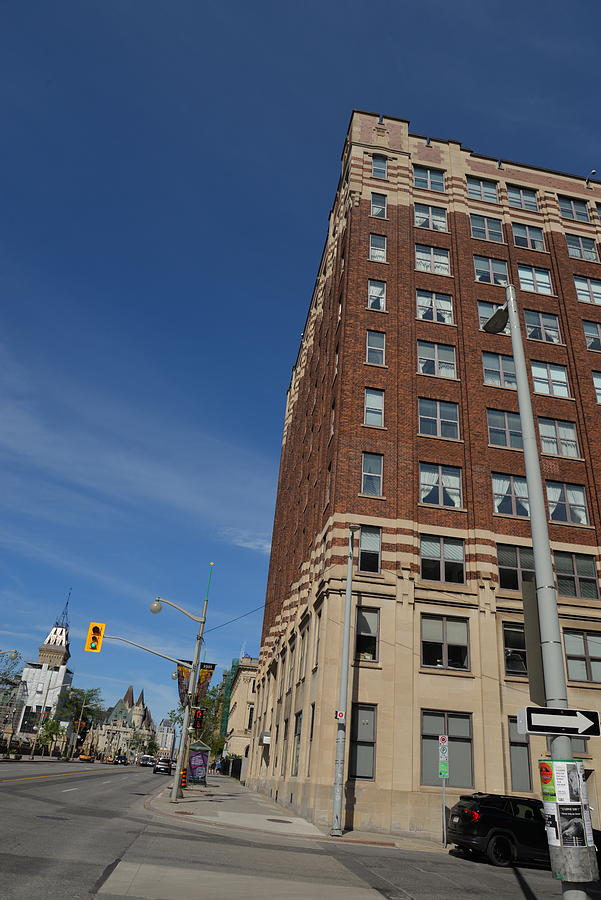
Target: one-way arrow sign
(533, 720)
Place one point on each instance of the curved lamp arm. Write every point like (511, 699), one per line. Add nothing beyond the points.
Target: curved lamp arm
(155, 607)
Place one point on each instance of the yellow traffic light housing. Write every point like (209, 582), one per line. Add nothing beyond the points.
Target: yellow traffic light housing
(95, 636)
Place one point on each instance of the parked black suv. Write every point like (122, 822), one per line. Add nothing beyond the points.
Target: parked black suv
(505, 829)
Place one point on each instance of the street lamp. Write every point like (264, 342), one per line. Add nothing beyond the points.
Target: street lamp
(574, 864)
(12, 654)
(156, 607)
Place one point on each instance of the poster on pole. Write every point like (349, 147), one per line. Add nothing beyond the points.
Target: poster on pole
(204, 679)
(565, 799)
(443, 756)
(183, 681)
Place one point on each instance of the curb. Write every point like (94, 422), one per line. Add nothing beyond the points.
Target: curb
(148, 804)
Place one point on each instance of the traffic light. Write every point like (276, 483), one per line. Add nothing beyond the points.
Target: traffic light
(199, 715)
(94, 639)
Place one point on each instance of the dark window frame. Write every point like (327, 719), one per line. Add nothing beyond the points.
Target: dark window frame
(360, 654)
(587, 657)
(453, 739)
(438, 419)
(507, 430)
(519, 569)
(354, 742)
(516, 658)
(440, 487)
(443, 572)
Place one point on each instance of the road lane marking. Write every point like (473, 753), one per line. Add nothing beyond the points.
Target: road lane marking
(66, 791)
(36, 777)
(106, 782)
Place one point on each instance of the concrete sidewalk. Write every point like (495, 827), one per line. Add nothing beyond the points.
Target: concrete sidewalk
(227, 803)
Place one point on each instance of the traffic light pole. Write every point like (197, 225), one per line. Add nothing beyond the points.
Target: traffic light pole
(574, 865)
(176, 791)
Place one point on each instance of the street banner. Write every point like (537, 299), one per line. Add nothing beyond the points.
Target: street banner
(204, 679)
(183, 682)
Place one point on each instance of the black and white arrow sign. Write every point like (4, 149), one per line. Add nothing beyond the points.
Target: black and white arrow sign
(561, 721)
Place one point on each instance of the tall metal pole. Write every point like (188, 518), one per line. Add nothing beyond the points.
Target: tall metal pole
(569, 861)
(74, 743)
(337, 824)
(176, 791)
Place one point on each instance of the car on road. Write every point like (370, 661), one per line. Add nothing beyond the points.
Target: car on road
(146, 760)
(163, 766)
(85, 757)
(121, 760)
(502, 828)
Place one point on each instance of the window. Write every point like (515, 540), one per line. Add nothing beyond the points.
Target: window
(504, 429)
(366, 635)
(487, 229)
(440, 485)
(567, 503)
(458, 726)
(362, 755)
(370, 546)
(298, 724)
(444, 642)
(432, 259)
(592, 335)
(558, 438)
(583, 655)
(576, 575)
(516, 565)
(499, 370)
(582, 247)
(481, 189)
(303, 652)
(376, 294)
(371, 474)
(291, 664)
(550, 379)
(598, 208)
(528, 236)
(534, 279)
(542, 326)
(284, 746)
(431, 179)
(378, 206)
(519, 757)
(379, 166)
(435, 307)
(433, 217)
(514, 642)
(376, 346)
(311, 729)
(251, 713)
(377, 247)
(442, 559)
(436, 359)
(485, 311)
(597, 385)
(490, 271)
(317, 637)
(522, 198)
(282, 673)
(510, 495)
(439, 418)
(573, 209)
(373, 411)
(588, 290)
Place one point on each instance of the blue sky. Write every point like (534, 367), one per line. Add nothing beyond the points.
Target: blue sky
(167, 171)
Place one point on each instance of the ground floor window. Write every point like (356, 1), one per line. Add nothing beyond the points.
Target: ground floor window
(519, 756)
(362, 761)
(458, 727)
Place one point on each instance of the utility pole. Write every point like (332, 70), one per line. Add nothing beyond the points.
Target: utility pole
(74, 743)
(573, 865)
(337, 823)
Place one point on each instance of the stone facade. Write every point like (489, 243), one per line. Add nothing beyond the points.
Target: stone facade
(387, 387)
(242, 708)
(126, 729)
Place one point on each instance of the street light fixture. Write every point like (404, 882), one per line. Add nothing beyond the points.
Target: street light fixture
(156, 607)
(573, 864)
(12, 654)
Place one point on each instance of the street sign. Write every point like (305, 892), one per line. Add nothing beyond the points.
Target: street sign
(443, 756)
(340, 715)
(533, 720)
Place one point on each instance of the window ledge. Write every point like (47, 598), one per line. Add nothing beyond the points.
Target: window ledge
(589, 685)
(499, 387)
(432, 230)
(573, 525)
(373, 309)
(450, 508)
(432, 322)
(366, 664)
(446, 586)
(381, 262)
(517, 679)
(439, 437)
(490, 241)
(439, 274)
(376, 365)
(538, 293)
(377, 427)
(511, 516)
(550, 343)
(372, 496)
(532, 249)
(501, 447)
(563, 456)
(442, 377)
(555, 397)
(435, 670)
(379, 218)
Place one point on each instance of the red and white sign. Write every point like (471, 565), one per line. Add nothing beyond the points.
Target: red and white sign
(340, 715)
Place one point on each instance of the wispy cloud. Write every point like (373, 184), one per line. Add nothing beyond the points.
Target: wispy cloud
(246, 539)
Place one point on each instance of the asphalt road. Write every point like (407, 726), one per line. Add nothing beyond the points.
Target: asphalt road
(74, 831)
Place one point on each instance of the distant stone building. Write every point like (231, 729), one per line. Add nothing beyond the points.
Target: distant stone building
(241, 711)
(45, 682)
(127, 728)
(166, 738)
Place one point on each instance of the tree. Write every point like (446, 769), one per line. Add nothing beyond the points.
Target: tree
(212, 703)
(71, 703)
(9, 667)
(49, 733)
(152, 748)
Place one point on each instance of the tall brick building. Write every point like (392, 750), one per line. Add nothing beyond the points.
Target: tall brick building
(402, 418)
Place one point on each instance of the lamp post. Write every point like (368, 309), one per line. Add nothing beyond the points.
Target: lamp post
(573, 864)
(155, 607)
(74, 743)
(337, 824)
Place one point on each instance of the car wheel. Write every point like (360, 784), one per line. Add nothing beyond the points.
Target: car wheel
(500, 851)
